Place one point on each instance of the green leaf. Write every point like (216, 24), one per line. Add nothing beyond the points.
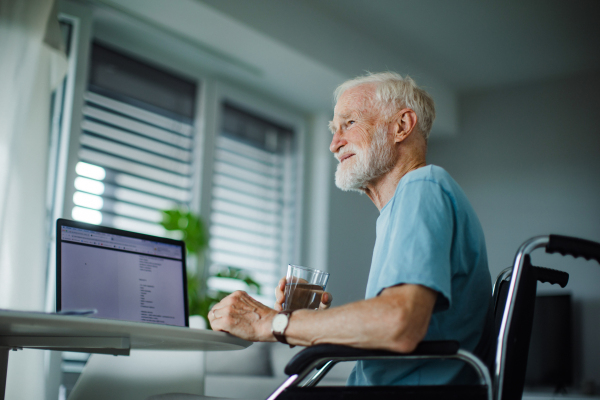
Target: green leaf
(191, 227)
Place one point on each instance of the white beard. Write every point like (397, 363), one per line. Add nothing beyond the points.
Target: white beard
(367, 165)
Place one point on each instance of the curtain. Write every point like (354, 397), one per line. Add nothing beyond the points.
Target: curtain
(32, 64)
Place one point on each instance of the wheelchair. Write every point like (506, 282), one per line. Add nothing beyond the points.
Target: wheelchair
(502, 378)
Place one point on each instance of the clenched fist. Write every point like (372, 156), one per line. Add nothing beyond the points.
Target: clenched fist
(244, 317)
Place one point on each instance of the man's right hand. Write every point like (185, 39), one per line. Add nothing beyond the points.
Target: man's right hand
(280, 297)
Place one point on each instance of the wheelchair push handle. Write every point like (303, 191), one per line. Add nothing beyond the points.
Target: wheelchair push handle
(573, 246)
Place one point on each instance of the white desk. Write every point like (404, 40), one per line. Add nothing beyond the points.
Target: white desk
(20, 330)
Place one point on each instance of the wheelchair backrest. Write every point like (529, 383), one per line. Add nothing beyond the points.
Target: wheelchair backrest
(519, 333)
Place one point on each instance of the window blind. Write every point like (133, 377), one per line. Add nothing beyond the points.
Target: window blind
(252, 204)
(133, 163)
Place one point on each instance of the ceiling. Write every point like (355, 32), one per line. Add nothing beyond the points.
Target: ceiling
(467, 44)
(297, 52)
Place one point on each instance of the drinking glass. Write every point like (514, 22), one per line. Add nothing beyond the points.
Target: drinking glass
(304, 287)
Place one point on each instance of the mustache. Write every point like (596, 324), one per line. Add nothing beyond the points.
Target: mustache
(346, 149)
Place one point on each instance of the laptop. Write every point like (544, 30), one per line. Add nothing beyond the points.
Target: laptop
(120, 275)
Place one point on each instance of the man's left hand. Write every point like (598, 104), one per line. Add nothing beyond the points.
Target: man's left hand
(244, 317)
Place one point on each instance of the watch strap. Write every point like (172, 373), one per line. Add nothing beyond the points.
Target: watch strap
(280, 336)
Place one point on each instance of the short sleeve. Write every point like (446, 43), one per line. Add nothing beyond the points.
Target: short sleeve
(416, 241)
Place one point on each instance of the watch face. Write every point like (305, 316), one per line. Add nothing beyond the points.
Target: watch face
(280, 322)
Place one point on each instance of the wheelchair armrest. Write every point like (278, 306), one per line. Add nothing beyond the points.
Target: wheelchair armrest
(325, 352)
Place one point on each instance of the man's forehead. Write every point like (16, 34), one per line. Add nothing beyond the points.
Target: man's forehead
(354, 99)
(344, 114)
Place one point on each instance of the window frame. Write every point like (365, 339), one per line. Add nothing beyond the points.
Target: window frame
(61, 156)
(61, 142)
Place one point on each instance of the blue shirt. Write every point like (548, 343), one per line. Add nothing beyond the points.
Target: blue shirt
(428, 234)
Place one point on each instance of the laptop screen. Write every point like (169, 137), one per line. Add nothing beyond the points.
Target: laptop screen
(122, 275)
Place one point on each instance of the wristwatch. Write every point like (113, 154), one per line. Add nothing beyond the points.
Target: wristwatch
(280, 324)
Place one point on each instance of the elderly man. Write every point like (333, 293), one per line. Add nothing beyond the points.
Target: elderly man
(429, 277)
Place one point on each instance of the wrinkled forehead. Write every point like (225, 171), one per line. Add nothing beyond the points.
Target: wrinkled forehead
(359, 98)
(356, 102)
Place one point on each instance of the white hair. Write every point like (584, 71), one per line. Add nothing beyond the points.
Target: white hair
(394, 92)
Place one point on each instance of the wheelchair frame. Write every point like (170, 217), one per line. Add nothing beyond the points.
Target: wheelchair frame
(301, 365)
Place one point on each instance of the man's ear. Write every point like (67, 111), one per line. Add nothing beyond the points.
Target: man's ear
(404, 123)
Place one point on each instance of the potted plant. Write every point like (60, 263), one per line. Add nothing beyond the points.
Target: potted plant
(192, 231)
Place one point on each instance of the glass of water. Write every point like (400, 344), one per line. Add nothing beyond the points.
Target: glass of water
(304, 287)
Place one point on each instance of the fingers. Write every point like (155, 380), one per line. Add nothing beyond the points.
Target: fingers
(242, 316)
(280, 288)
(326, 301)
(223, 315)
(222, 308)
(217, 322)
(212, 319)
(217, 313)
(279, 294)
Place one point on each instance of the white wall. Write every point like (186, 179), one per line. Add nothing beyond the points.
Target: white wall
(352, 219)
(528, 159)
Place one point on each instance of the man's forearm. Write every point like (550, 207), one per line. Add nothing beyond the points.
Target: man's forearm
(396, 320)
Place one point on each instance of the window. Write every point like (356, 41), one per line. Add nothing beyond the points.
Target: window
(136, 153)
(252, 206)
(136, 139)
(136, 145)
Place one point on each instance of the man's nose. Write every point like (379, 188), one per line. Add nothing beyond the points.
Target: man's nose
(337, 142)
